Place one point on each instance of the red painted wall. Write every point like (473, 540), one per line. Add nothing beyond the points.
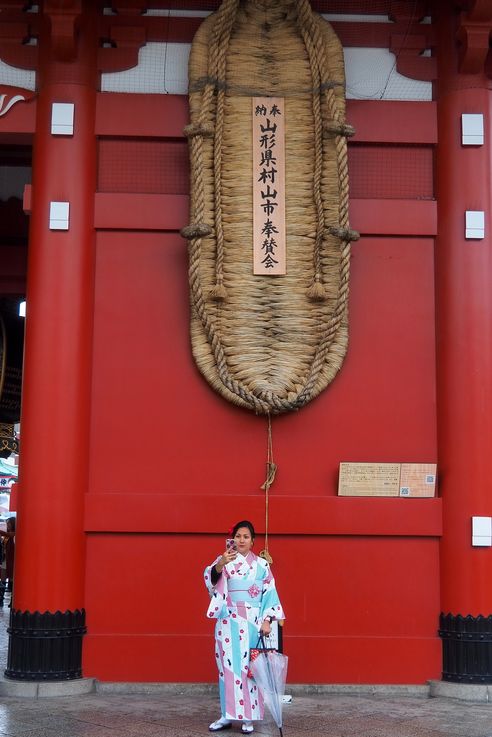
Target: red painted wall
(157, 427)
(172, 466)
(360, 609)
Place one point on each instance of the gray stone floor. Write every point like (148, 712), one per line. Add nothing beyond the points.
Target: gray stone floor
(103, 715)
(188, 713)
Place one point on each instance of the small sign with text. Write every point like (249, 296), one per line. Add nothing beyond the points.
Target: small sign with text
(269, 255)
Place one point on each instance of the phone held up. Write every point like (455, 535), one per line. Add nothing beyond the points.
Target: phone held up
(231, 544)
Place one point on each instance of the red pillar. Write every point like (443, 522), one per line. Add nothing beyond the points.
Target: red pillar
(50, 546)
(464, 362)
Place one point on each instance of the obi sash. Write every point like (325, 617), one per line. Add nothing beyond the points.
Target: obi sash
(244, 591)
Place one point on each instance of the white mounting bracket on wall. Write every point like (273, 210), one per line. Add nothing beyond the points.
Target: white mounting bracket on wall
(62, 114)
(472, 129)
(475, 224)
(482, 531)
(59, 215)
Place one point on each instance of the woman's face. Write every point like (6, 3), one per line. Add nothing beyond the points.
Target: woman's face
(244, 541)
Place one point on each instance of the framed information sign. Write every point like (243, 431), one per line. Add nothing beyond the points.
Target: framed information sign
(387, 479)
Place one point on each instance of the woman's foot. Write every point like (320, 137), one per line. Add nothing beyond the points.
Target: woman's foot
(247, 727)
(221, 723)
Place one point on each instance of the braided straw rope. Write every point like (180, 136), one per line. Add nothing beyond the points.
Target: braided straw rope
(268, 343)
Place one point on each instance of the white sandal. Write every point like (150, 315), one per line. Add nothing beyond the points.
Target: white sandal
(247, 727)
(221, 723)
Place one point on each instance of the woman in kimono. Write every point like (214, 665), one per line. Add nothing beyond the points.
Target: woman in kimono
(244, 601)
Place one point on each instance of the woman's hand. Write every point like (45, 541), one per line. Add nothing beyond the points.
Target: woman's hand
(227, 557)
(266, 627)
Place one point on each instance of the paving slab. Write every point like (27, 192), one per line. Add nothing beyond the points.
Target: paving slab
(186, 710)
(110, 715)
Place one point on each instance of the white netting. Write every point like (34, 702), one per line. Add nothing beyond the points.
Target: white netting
(15, 77)
(180, 13)
(163, 68)
(167, 13)
(371, 75)
(352, 18)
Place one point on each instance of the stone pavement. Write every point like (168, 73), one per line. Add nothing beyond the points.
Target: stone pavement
(186, 711)
(188, 714)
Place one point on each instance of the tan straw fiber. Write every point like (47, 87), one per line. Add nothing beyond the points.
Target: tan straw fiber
(268, 343)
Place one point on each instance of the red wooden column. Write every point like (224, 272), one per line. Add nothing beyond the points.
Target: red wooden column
(50, 550)
(464, 355)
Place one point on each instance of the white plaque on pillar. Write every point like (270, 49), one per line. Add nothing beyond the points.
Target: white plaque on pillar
(62, 114)
(482, 532)
(59, 215)
(474, 225)
(472, 129)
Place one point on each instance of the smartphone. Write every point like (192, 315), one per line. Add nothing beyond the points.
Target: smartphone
(231, 544)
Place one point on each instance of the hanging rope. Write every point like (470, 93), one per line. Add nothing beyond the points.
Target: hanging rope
(271, 469)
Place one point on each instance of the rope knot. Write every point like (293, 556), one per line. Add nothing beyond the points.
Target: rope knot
(317, 292)
(218, 293)
(198, 129)
(270, 477)
(345, 234)
(334, 128)
(195, 230)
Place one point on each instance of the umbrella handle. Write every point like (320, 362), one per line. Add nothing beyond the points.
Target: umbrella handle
(261, 640)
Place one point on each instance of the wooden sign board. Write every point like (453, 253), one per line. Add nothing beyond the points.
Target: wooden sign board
(269, 256)
(387, 479)
(369, 479)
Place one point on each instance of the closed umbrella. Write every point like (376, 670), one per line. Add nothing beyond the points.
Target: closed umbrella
(269, 669)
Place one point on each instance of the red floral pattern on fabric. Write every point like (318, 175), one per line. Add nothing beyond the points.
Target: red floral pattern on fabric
(253, 591)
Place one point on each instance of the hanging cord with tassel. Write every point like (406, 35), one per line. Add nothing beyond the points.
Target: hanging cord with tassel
(270, 478)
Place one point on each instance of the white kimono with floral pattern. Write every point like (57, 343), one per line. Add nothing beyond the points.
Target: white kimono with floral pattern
(240, 600)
